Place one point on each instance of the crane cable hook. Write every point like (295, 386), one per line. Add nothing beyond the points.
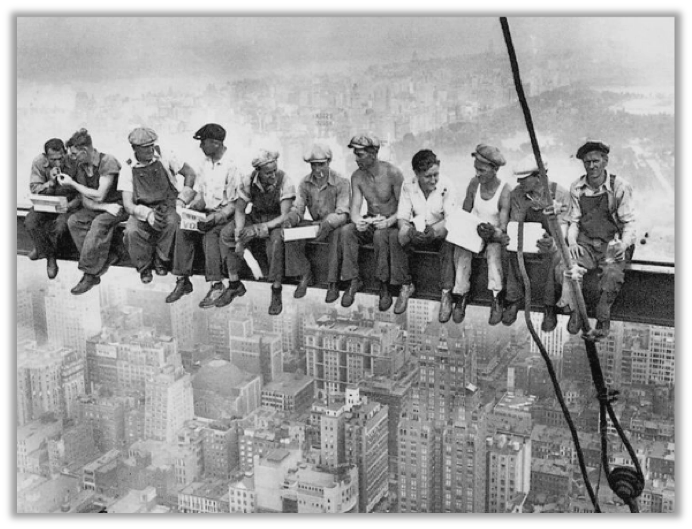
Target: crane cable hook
(626, 482)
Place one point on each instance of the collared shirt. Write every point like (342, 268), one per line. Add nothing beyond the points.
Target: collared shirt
(439, 204)
(40, 172)
(244, 191)
(170, 164)
(217, 181)
(520, 202)
(620, 205)
(332, 196)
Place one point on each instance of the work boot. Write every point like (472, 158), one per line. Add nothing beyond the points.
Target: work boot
(214, 293)
(495, 309)
(332, 293)
(230, 294)
(602, 328)
(549, 319)
(51, 267)
(509, 313)
(182, 287)
(402, 301)
(385, 296)
(87, 282)
(350, 295)
(146, 276)
(33, 255)
(302, 287)
(160, 266)
(574, 323)
(275, 307)
(445, 306)
(459, 312)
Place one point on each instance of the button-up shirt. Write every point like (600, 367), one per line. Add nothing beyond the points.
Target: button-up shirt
(439, 204)
(217, 181)
(170, 164)
(331, 197)
(40, 169)
(620, 205)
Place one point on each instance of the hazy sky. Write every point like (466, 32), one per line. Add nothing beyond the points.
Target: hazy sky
(96, 49)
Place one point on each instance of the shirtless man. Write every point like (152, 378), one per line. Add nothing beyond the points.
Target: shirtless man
(379, 183)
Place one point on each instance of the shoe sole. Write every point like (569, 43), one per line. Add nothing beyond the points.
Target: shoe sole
(85, 291)
(239, 295)
(185, 293)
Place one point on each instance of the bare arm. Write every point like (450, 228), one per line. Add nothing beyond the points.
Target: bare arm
(189, 175)
(356, 200)
(95, 195)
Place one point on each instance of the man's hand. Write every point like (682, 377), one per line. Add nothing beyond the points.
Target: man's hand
(404, 235)
(546, 244)
(239, 247)
(575, 251)
(65, 180)
(381, 223)
(208, 224)
(113, 209)
(362, 224)
(62, 209)
(248, 233)
(53, 174)
(486, 231)
(324, 231)
(286, 224)
(155, 220)
(618, 250)
(501, 237)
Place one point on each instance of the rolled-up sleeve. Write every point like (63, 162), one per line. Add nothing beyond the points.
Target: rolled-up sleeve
(125, 180)
(288, 189)
(242, 188)
(343, 196)
(301, 200)
(405, 208)
(625, 212)
(574, 214)
(38, 177)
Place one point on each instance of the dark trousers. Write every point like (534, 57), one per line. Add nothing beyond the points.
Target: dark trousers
(45, 230)
(184, 253)
(390, 257)
(92, 233)
(611, 276)
(141, 240)
(272, 247)
(297, 263)
(445, 251)
(515, 284)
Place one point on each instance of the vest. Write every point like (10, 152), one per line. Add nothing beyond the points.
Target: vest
(266, 205)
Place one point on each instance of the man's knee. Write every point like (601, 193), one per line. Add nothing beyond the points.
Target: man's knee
(227, 234)
(32, 220)
(613, 277)
(348, 231)
(380, 238)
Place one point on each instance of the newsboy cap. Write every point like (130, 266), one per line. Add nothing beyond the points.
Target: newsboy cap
(264, 157)
(528, 166)
(142, 136)
(592, 145)
(488, 154)
(318, 153)
(211, 131)
(361, 141)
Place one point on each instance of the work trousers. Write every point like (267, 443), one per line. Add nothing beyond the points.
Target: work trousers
(272, 247)
(463, 259)
(297, 264)
(546, 271)
(45, 230)
(611, 275)
(184, 253)
(391, 264)
(92, 232)
(141, 240)
(445, 252)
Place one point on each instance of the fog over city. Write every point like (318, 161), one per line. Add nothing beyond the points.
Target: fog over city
(129, 403)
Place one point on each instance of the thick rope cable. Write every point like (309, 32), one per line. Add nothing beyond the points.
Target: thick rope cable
(551, 369)
(625, 483)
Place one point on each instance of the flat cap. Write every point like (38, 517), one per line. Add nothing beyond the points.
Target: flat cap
(264, 157)
(142, 136)
(361, 141)
(489, 154)
(527, 166)
(592, 145)
(318, 153)
(211, 131)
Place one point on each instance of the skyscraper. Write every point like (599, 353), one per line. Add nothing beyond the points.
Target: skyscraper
(168, 404)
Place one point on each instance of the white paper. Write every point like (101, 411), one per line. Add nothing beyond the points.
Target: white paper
(189, 218)
(462, 230)
(301, 232)
(46, 203)
(419, 223)
(533, 231)
(252, 264)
